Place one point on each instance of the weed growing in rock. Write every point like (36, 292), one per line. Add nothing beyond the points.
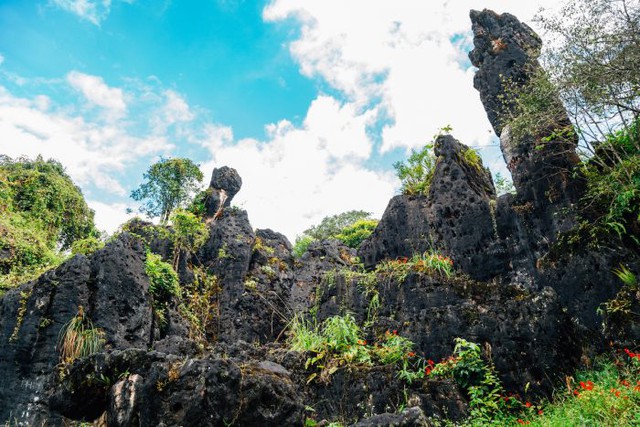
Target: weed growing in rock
(339, 341)
(79, 338)
(427, 263)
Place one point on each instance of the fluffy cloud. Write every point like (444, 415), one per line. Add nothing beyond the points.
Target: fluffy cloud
(94, 11)
(109, 216)
(408, 58)
(302, 174)
(98, 93)
(93, 152)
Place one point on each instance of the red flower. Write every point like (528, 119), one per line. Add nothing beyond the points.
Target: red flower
(411, 354)
(395, 332)
(587, 386)
(506, 398)
(540, 412)
(520, 421)
(576, 392)
(362, 342)
(528, 404)
(625, 383)
(431, 363)
(427, 371)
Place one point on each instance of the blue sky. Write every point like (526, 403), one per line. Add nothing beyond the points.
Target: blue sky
(312, 101)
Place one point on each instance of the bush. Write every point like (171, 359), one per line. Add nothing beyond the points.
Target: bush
(417, 172)
(86, 246)
(353, 235)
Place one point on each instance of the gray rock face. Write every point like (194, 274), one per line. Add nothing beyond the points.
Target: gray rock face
(542, 166)
(457, 218)
(112, 290)
(225, 184)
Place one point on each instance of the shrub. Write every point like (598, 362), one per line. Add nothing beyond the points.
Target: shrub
(301, 245)
(353, 235)
(163, 284)
(87, 246)
(189, 233)
(416, 173)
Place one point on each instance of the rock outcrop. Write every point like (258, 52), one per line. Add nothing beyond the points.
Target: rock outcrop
(526, 287)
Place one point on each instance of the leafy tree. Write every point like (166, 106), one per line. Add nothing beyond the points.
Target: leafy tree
(503, 184)
(169, 184)
(42, 213)
(351, 227)
(416, 173)
(333, 225)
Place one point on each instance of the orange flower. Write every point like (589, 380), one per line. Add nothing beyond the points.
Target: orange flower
(625, 383)
(411, 354)
(528, 404)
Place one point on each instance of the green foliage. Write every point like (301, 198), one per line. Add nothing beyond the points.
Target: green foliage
(79, 338)
(351, 227)
(338, 341)
(169, 184)
(189, 233)
(613, 183)
(164, 284)
(425, 263)
(41, 213)
(503, 185)
(416, 172)
(333, 225)
(87, 246)
(198, 204)
(479, 379)
(198, 303)
(301, 245)
(353, 235)
(608, 395)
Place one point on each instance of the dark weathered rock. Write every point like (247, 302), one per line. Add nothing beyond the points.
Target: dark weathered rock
(541, 164)
(527, 334)
(225, 184)
(411, 417)
(457, 218)
(112, 289)
(158, 389)
(310, 270)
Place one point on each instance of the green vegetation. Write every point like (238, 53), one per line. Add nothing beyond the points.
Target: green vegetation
(42, 213)
(503, 185)
(79, 338)
(427, 262)
(87, 246)
(351, 228)
(164, 284)
(416, 172)
(169, 185)
(592, 73)
(338, 341)
(189, 233)
(198, 303)
(353, 235)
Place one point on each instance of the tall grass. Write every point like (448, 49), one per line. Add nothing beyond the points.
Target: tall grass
(79, 338)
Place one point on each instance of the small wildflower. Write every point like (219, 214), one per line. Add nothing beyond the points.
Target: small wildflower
(576, 393)
(528, 404)
(395, 332)
(540, 412)
(411, 354)
(427, 370)
(431, 363)
(625, 383)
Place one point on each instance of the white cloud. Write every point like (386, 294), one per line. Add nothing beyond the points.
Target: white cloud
(302, 174)
(98, 93)
(398, 56)
(92, 152)
(94, 11)
(109, 216)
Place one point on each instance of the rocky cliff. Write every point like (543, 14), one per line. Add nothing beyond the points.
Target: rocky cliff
(521, 289)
